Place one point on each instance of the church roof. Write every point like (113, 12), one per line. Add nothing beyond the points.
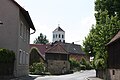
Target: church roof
(59, 29)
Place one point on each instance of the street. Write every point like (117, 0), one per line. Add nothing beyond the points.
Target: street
(83, 75)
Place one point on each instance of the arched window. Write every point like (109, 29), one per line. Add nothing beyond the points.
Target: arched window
(59, 35)
(56, 35)
(62, 36)
(53, 36)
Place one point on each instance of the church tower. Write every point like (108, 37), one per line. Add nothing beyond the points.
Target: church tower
(58, 34)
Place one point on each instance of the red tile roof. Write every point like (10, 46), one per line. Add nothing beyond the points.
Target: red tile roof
(57, 48)
(41, 47)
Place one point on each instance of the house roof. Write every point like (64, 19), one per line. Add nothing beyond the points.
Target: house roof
(25, 14)
(57, 48)
(72, 48)
(59, 29)
(116, 37)
(41, 47)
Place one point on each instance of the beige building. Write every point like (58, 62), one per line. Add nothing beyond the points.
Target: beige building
(15, 33)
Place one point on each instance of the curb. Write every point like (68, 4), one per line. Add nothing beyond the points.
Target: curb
(93, 78)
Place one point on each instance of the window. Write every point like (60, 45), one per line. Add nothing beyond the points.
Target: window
(62, 36)
(27, 59)
(113, 72)
(21, 29)
(56, 35)
(53, 36)
(20, 56)
(59, 35)
(24, 57)
(24, 32)
(28, 36)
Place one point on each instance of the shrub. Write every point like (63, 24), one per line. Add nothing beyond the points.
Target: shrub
(85, 64)
(37, 68)
(74, 65)
(6, 56)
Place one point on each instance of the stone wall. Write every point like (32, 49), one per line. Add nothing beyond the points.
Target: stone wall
(113, 74)
(58, 66)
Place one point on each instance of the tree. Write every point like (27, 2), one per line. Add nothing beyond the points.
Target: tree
(99, 36)
(41, 39)
(112, 6)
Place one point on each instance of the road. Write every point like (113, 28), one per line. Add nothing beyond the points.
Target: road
(75, 76)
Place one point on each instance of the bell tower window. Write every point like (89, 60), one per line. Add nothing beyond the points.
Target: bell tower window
(62, 36)
(59, 35)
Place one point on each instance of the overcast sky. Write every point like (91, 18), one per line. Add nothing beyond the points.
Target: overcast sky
(74, 16)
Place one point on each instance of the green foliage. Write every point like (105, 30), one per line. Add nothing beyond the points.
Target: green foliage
(99, 36)
(112, 6)
(82, 65)
(34, 56)
(37, 68)
(74, 65)
(6, 56)
(41, 39)
(85, 64)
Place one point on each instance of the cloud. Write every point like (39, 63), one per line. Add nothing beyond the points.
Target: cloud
(86, 24)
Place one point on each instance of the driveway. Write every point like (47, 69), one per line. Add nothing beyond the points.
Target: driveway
(82, 75)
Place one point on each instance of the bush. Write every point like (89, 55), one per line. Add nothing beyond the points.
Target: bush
(6, 56)
(37, 68)
(85, 65)
(74, 65)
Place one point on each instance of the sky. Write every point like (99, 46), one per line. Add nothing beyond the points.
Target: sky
(74, 16)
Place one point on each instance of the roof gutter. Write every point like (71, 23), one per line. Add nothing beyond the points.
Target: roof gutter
(33, 32)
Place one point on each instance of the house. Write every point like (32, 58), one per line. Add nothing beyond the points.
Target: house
(15, 34)
(53, 50)
(113, 62)
(57, 59)
(37, 52)
(74, 51)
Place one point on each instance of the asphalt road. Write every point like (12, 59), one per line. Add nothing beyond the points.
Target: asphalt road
(83, 75)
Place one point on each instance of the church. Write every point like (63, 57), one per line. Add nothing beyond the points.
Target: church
(58, 54)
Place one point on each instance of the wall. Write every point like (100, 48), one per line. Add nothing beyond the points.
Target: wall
(58, 66)
(113, 74)
(78, 57)
(9, 29)
(10, 35)
(57, 38)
